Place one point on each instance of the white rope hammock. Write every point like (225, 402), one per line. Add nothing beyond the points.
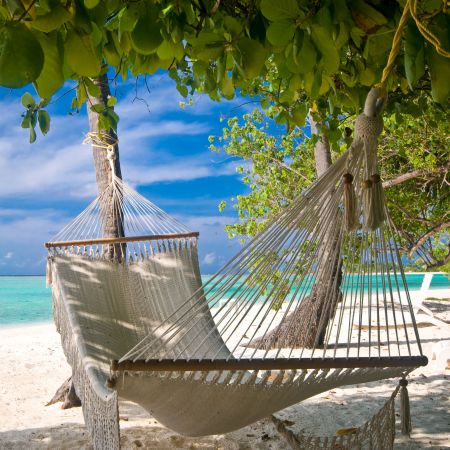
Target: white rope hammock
(282, 321)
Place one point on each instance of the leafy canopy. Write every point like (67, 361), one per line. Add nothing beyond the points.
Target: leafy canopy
(329, 51)
(414, 159)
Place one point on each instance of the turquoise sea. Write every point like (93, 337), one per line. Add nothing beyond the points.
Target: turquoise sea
(26, 300)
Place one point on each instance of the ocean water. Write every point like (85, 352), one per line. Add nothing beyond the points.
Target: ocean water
(26, 300)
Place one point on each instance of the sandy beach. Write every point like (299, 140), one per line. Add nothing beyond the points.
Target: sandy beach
(33, 366)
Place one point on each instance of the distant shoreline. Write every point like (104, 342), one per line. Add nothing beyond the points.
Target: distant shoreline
(212, 274)
(24, 276)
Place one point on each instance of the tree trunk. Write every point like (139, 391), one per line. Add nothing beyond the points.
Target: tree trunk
(311, 310)
(306, 326)
(112, 215)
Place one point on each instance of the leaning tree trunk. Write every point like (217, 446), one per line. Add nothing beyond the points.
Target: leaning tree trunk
(306, 326)
(319, 307)
(111, 211)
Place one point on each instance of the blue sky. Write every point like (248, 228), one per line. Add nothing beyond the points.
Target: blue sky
(164, 154)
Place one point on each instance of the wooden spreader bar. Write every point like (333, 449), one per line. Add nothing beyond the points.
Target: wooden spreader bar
(120, 240)
(265, 364)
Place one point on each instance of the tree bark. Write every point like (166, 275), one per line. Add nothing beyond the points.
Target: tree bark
(329, 274)
(322, 152)
(111, 211)
(306, 326)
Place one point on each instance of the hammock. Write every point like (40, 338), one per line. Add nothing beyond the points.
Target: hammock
(276, 325)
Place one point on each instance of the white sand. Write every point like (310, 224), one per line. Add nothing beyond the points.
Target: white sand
(33, 366)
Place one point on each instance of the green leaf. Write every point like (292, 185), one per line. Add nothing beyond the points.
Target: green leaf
(367, 77)
(170, 50)
(306, 57)
(51, 77)
(221, 68)
(316, 85)
(92, 88)
(111, 101)
(281, 118)
(378, 46)
(183, 90)
(366, 17)
(82, 20)
(81, 55)
(342, 37)
(323, 40)
(356, 34)
(27, 100)
(253, 57)
(4, 13)
(278, 10)
(44, 121)
(232, 25)
(299, 114)
(226, 87)
(82, 93)
(146, 36)
(414, 54)
(26, 121)
(112, 56)
(103, 122)
(53, 20)
(98, 108)
(113, 118)
(21, 55)
(90, 4)
(127, 19)
(207, 46)
(32, 135)
(96, 35)
(439, 68)
(280, 33)
(341, 12)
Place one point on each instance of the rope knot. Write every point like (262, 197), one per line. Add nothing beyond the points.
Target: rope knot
(375, 178)
(348, 178)
(111, 155)
(100, 140)
(367, 184)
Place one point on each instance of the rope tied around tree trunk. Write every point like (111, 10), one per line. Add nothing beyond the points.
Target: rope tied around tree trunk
(368, 127)
(103, 141)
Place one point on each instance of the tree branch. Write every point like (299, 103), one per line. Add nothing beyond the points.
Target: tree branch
(441, 262)
(414, 174)
(428, 234)
(285, 166)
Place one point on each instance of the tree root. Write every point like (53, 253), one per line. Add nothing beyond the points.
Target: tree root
(66, 393)
(288, 435)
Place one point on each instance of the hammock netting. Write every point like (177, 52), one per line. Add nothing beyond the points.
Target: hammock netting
(317, 300)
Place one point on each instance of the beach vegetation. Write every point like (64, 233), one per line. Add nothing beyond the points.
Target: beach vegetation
(296, 59)
(277, 164)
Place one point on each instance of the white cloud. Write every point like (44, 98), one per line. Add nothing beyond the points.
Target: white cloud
(209, 258)
(60, 166)
(25, 232)
(174, 170)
